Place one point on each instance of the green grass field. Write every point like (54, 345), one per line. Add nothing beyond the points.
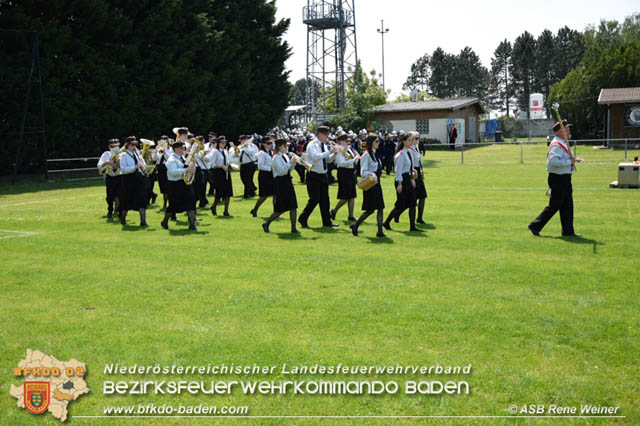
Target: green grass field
(542, 320)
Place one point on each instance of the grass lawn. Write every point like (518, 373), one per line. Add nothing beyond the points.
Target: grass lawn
(541, 320)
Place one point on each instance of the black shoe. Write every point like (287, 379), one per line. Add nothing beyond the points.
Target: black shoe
(332, 213)
(421, 222)
(164, 224)
(202, 205)
(352, 219)
(387, 226)
(254, 213)
(354, 229)
(174, 218)
(123, 221)
(192, 228)
(381, 234)
(109, 215)
(144, 225)
(330, 225)
(295, 231)
(303, 223)
(213, 211)
(533, 230)
(265, 227)
(414, 229)
(574, 235)
(153, 198)
(226, 214)
(396, 219)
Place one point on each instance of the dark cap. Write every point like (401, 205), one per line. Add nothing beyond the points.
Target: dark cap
(182, 131)
(324, 130)
(130, 139)
(244, 137)
(266, 139)
(558, 126)
(221, 139)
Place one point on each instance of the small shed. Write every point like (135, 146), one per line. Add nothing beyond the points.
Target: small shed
(434, 119)
(623, 113)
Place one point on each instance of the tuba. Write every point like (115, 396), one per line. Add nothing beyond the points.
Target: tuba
(191, 160)
(110, 170)
(148, 158)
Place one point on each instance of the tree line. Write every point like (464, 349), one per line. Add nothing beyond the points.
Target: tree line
(528, 65)
(118, 68)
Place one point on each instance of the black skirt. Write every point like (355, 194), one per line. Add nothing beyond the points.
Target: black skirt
(181, 197)
(421, 190)
(266, 184)
(222, 183)
(133, 192)
(407, 198)
(285, 194)
(162, 178)
(346, 183)
(373, 199)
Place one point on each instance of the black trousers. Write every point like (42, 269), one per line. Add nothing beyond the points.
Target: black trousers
(301, 171)
(561, 200)
(318, 191)
(388, 163)
(113, 190)
(246, 175)
(209, 177)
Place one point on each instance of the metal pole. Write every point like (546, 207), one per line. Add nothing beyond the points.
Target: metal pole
(625, 149)
(521, 153)
(462, 153)
(382, 30)
(44, 133)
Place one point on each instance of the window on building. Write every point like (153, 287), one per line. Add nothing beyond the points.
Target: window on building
(422, 127)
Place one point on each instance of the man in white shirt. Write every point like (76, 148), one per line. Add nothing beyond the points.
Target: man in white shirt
(248, 165)
(560, 165)
(320, 155)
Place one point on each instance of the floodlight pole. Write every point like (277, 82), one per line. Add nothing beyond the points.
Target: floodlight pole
(382, 31)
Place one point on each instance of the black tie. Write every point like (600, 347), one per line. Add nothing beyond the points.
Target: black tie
(324, 160)
(286, 159)
(182, 160)
(224, 158)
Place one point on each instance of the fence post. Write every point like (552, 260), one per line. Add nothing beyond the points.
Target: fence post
(521, 153)
(575, 149)
(625, 149)
(462, 153)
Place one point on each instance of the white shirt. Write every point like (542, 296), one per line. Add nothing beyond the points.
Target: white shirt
(558, 161)
(417, 157)
(316, 155)
(175, 168)
(248, 153)
(106, 156)
(342, 162)
(219, 160)
(367, 164)
(281, 164)
(129, 161)
(264, 161)
(402, 163)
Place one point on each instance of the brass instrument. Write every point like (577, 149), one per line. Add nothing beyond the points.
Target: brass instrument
(110, 169)
(302, 162)
(191, 161)
(147, 156)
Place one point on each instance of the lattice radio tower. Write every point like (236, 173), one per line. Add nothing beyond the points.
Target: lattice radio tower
(332, 52)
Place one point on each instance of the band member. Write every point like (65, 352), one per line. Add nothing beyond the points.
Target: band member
(389, 151)
(405, 184)
(160, 157)
(221, 176)
(266, 182)
(200, 181)
(133, 192)
(416, 160)
(560, 165)
(345, 160)
(248, 166)
(149, 177)
(111, 177)
(181, 195)
(285, 196)
(209, 147)
(299, 146)
(372, 199)
(453, 136)
(320, 154)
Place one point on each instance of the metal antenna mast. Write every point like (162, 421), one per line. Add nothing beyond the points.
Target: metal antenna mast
(332, 54)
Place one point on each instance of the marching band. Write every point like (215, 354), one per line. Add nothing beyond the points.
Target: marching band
(183, 168)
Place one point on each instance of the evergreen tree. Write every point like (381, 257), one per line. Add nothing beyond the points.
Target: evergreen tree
(501, 85)
(523, 67)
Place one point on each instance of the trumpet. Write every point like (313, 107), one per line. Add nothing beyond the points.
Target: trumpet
(302, 162)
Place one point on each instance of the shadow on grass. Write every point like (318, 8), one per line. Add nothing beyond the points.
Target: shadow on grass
(379, 240)
(182, 232)
(413, 233)
(291, 236)
(329, 230)
(577, 240)
(426, 226)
